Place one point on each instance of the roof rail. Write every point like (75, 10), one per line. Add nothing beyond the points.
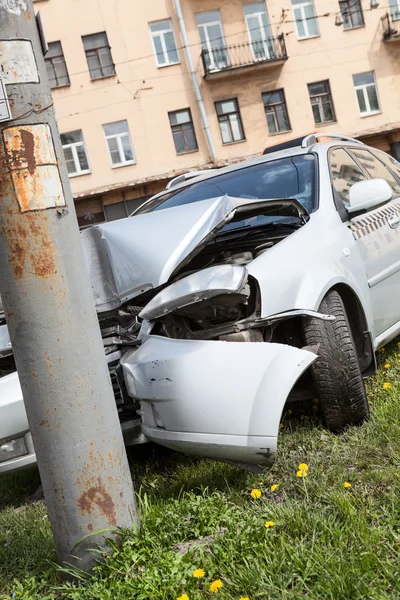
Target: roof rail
(185, 176)
(313, 138)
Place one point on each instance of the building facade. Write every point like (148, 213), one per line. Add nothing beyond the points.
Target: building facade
(125, 92)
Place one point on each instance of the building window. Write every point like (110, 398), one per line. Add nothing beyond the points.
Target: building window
(121, 210)
(119, 143)
(395, 9)
(75, 153)
(276, 111)
(259, 30)
(162, 36)
(352, 14)
(306, 21)
(183, 131)
(367, 95)
(230, 122)
(321, 102)
(56, 67)
(212, 39)
(98, 55)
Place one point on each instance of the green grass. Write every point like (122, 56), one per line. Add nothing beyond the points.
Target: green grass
(328, 542)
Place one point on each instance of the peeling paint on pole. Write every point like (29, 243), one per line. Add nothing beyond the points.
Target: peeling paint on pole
(15, 7)
(32, 160)
(17, 61)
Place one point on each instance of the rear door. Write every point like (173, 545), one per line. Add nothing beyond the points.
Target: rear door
(376, 232)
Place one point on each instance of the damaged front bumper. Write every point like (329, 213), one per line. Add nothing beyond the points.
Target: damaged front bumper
(221, 400)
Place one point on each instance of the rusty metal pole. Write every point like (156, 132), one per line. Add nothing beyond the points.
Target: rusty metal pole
(50, 309)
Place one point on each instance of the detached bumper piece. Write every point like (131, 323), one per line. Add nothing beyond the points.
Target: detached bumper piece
(221, 400)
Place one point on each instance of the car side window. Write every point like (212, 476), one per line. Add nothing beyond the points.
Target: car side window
(375, 168)
(389, 161)
(344, 172)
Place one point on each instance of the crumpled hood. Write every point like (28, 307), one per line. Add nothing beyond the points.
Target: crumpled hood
(128, 257)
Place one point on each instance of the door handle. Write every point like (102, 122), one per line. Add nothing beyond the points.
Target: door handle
(394, 221)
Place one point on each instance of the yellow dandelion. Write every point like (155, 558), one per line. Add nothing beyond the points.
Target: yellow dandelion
(274, 487)
(301, 474)
(383, 349)
(315, 407)
(198, 573)
(216, 585)
(387, 385)
(398, 344)
(255, 493)
(290, 411)
(183, 597)
(303, 467)
(281, 426)
(386, 366)
(347, 484)
(269, 524)
(244, 598)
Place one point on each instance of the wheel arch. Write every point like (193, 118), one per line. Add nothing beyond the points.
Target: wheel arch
(359, 328)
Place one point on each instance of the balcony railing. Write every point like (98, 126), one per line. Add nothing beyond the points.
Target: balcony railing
(237, 56)
(391, 26)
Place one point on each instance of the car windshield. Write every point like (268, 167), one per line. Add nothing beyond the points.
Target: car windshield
(292, 177)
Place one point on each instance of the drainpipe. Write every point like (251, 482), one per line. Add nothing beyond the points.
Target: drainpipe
(197, 91)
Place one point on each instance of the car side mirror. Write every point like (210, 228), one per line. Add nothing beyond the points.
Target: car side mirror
(368, 194)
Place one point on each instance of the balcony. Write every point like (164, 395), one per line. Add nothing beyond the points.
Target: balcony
(391, 27)
(257, 54)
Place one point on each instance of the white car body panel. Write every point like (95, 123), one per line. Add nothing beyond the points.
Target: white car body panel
(227, 398)
(220, 399)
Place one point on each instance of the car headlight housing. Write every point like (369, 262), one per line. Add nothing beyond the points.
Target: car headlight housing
(13, 449)
(197, 287)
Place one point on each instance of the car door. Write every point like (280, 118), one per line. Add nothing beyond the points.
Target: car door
(376, 231)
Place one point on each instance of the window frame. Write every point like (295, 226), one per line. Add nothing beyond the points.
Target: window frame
(49, 59)
(96, 51)
(73, 147)
(304, 20)
(348, 12)
(236, 112)
(162, 39)
(124, 163)
(214, 55)
(394, 9)
(320, 103)
(396, 194)
(282, 91)
(173, 112)
(266, 36)
(364, 87)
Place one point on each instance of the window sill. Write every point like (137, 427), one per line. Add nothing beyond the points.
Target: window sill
(308, 37)
(60, 87)
(235, 142)
(325, 123)
(279, 132)
(168, 65)
(187, 152)
(352, 28)
(370, 114)
(103, 77)
(125, 164)
(79, 174)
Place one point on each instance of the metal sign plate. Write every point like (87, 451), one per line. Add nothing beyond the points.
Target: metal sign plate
(5, 112)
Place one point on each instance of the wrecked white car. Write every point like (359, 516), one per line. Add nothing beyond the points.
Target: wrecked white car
(234, 292)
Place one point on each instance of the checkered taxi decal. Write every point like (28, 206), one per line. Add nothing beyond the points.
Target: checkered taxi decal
(370, 223)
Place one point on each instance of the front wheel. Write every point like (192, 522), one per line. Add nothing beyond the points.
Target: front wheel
(336, 373)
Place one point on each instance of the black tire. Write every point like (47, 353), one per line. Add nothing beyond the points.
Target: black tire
(336, 373)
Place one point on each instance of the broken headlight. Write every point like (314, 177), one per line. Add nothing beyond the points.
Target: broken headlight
(200, 286)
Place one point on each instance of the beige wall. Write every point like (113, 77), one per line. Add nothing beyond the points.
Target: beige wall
(143, 94)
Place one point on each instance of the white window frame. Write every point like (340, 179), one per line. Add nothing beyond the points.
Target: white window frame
(304, 20)
(73, 148)
(258, 15)
(204, 26)
(118, 136)
(394, 10)
(364, 87)
(160, 34)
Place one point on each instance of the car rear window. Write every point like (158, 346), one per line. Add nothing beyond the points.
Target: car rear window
(292, 177)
